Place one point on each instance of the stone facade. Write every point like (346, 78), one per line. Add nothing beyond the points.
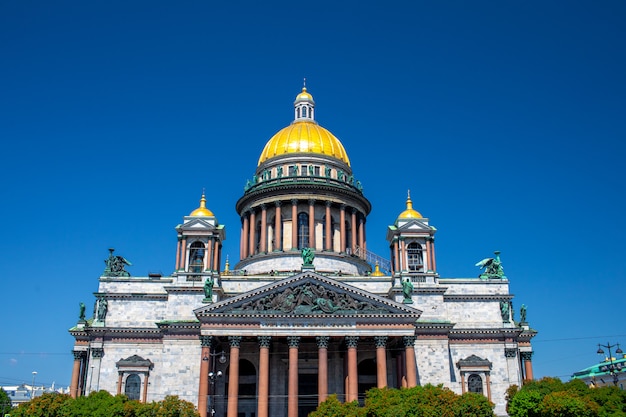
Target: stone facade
(278, 333)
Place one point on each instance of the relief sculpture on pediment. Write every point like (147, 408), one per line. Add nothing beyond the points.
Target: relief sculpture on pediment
(307, 299)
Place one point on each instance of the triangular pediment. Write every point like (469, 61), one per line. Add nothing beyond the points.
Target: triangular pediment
(309, 296)
(414, 225)
(199, 224)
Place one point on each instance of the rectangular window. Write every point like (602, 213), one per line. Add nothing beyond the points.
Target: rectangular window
(293, 170)
(317, 171)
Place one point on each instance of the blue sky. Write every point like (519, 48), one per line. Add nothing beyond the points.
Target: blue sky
(505, 119)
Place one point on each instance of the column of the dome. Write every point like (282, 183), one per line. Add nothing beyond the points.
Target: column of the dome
(206, 260)
(264, 375)
(353, 378)
(246, 233)
(233, 376)
(312, 224)
(292, 390)
(263, 228)
(342, 228)
(252, 246)
(329, 238)
(362, 235)
(381, 361)
(278, 241)
(294, 224)
(322, 368)
(354, 227)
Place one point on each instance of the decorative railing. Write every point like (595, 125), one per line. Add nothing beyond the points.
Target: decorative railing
(260, 183)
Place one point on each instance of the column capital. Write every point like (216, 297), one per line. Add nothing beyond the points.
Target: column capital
(235, 341)
(322, 342)
(263, 206)
(97, 353)
(293, 341)
(409, 341)
(381, 341)
(294, 201)
(78, 354)
(329, 203)
(311, 201)
(206, 341)
(352, 341)
(353, 210)
(510, 352)
(527, 356)
(342, 206)
(265, 341)
(278, 203)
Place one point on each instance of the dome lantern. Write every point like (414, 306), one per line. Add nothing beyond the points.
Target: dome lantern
(409, 213)
(202, 211)
(304, 106)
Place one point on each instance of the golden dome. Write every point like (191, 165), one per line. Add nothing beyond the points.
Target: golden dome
(409, 213)
(202, 211)
(377, 272)
(304, 136)
(304, 95)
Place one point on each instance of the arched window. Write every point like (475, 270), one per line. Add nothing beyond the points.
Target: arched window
(475, 384)
(414, 256)
(303, 230)
(133, 386)
(304, 112)
(298, 112)
(196, 257)
(332, 228)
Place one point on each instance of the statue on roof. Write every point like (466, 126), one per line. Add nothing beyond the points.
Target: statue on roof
(103, 307)
(522, 314)
(208, 288)
(492, 266)
(115, 266)
(307, 256)
(81, 312)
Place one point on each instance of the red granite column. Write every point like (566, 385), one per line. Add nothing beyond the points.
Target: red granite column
(278, 241)
(329, 236)
(78, 357)
(381, 361)
(396, 256)
(263, 228)
(411, 367)
(362, 236)
(203, 389)
(463, 390)
(252, 243)
(183, 254)
(264, 376)
(488, 383)
(294, 224)
(120, 379)
(354, 227)
(145, 388)
(292, 390)
(322, 368)
(342, 228)
(312, 224)
(432, 255)
(403, 266)
(528, 365)
(216, 255)
(246, 235)
(353, 376)
(233, 377)
(178, 254)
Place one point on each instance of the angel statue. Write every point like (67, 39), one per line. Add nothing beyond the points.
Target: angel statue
(115, 266)
(307, 256)
(492, 266)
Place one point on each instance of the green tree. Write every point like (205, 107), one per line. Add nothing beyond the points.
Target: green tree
(567, 404)
(47, 405)
(5, 402)
(472, 404)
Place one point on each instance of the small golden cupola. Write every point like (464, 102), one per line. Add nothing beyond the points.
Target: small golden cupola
(409, 213)
(202, 211)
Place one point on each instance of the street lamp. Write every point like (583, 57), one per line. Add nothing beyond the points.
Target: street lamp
(612, 368)
(213, 376)
(32, 388)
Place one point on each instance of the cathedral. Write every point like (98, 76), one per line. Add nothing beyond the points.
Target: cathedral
(308, 311)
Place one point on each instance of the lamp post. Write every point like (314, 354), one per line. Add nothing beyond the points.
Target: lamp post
(32, 388)
(611, 368)
(213, 375)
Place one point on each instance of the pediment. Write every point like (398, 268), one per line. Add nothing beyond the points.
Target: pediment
(309, 296)
(414, 225)
(199, 224)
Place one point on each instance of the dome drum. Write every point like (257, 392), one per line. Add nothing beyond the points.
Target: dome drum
(330, 263)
